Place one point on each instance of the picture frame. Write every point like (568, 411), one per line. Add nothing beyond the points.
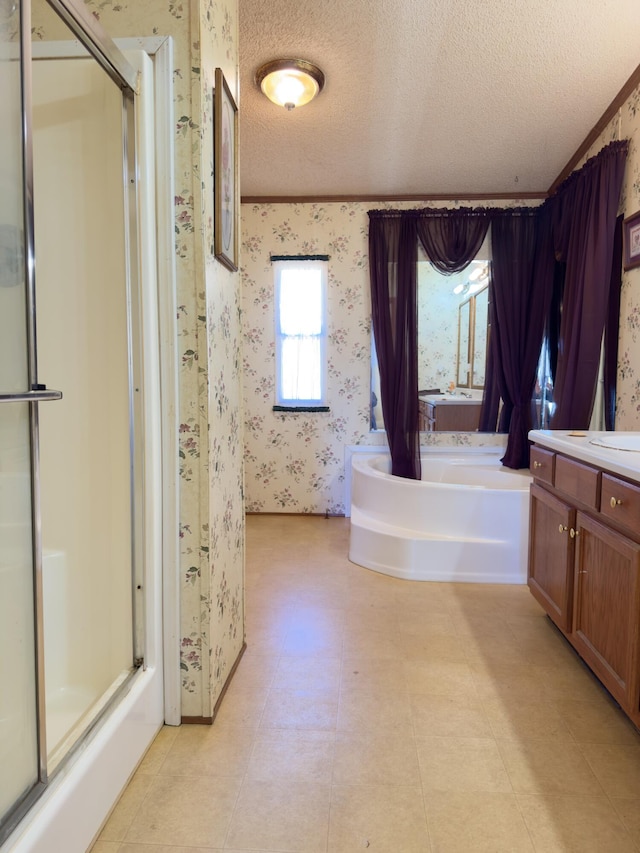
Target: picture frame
(225, 168)
(631, 241)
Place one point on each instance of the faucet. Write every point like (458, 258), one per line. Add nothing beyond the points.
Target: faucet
(465, 394)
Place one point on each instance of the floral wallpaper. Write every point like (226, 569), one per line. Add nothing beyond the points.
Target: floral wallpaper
(295, 462)
(626, 125)
(204, 34)
(224, 606)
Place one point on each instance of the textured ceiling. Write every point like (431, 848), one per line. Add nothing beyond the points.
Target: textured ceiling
(427, 97)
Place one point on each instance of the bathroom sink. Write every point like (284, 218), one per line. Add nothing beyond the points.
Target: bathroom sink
(619, 441)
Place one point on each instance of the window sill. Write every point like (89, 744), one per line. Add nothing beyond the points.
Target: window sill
(280, 409)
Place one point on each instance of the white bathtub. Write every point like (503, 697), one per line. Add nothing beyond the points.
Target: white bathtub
(466, 520)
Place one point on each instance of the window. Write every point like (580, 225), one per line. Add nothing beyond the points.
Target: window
(301, 332)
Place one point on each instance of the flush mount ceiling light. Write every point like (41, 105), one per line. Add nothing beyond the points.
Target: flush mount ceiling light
(290, 82)
(480, 272)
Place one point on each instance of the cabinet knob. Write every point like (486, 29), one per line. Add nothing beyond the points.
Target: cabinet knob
(562, 528)
(573, 533)
(615, 502)
(537, 464)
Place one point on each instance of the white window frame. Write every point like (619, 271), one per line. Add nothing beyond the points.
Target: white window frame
(290, 264)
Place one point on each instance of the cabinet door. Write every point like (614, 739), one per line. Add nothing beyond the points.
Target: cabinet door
(430, 417)
(422, 421)
(457, 417)
(551, 555)
(606, 613)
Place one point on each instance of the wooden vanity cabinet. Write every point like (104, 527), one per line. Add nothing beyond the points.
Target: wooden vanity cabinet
(425, 416)
(606, 608)
(448, 416)
(543, 464)
(584, 566)
(620, 503)
(578, 481)
(551, 555)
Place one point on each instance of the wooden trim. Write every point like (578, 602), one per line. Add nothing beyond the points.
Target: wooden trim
(597, 129)
(301, 514)
(225, 184)
(208, 721)
(373, 199)
(196, 721)
(229, 679)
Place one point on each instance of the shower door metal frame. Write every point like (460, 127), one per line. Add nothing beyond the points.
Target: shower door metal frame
(102, 48)
(97, 41)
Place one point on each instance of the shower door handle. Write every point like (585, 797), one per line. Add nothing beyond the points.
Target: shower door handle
(39, 394)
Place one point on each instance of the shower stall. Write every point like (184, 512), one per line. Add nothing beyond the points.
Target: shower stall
(80, 447)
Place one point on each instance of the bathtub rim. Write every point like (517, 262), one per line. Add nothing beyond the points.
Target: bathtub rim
(372, 471)
(358, 450)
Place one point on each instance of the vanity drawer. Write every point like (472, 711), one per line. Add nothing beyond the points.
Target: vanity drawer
(620, 502)
(542, 464)
(579, 481)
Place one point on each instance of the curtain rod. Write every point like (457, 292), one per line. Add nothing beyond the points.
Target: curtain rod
(445, 213)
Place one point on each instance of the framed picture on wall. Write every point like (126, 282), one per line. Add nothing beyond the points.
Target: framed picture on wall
(631, 241)
(225, 161)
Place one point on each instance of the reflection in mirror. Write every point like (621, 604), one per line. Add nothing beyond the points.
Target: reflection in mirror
(439, 299)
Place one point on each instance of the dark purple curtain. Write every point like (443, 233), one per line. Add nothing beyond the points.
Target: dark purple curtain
(521, 285)
(393, 257)
(584, 220)
(491, 395)
(612, 329)
(452, 238)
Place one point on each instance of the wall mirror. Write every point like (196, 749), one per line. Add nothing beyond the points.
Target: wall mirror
(452, 334)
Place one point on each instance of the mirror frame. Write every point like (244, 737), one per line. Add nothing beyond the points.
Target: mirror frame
(465, 373)
(476, 316)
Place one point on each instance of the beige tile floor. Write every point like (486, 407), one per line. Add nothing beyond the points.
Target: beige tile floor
(370, 713)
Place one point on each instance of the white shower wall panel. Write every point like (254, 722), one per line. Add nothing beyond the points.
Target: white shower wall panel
(82, 345)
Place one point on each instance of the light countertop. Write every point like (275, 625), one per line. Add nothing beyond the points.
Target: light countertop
(449, 399)
(579, 444)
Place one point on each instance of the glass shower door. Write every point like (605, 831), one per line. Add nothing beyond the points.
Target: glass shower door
(19, 754)
(67, 513)
(85, 345)
(18, 718)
